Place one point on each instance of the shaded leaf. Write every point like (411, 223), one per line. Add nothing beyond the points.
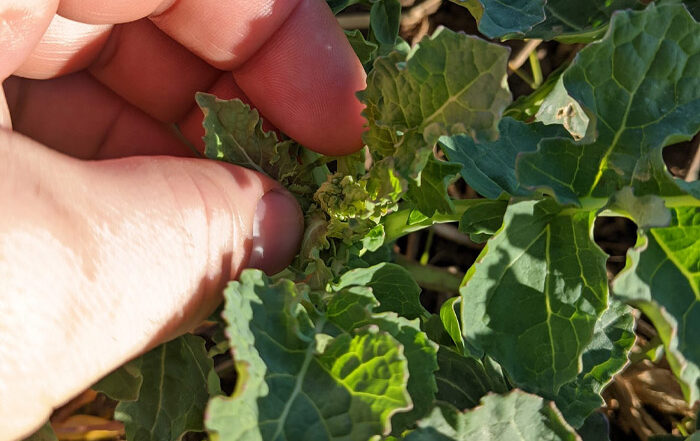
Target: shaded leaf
(642, 86)
(429, 193)
(482, 221)
(296, 382)
(384, 19)
(124, 383)
(365, 50)
(174, 393)
(489, 167)
(498, 18)
(543, 264)
(462, 381)
(515, 416)
(449, 83)
(392, 285)
(603, 358)
(662, 278)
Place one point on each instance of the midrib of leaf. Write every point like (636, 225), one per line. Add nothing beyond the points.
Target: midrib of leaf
(450, 100)
(160, 388)
(308, 357)
(547, 278)
(623, 125)
(671, 256)
(248, 158)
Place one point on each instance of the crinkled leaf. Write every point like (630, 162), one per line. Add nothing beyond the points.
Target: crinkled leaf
(429, 193)
(603, 358)
(543, 264)
(642, 84)
(353, 308)
(124, 383)
(498, 18)
(515, 416)
(662, 278)
(462, 381)
(296, 382)
(174, 393)
(392, 285)
(482, 221)
(234, 133)
(489, 167)
(449, 83)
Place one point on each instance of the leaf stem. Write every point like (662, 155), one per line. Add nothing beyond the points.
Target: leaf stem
(536, 69)
(431, 277)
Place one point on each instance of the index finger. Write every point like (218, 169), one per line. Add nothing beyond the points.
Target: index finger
(290, 58)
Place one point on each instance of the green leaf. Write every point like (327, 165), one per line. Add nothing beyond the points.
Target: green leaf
(45, 433)
(338, 5)
(489, 167)
(515, 416)
(662, 279)
(647, 211)
(449, 83)
(543, 264)
(641, 84)
(482, 221)
(296, 382)
(603, 358)
(429, 192)
(174, 393)
(579, 22)
(595, 428)
(384, 19)
(462, 381)
(365, 50)
(450, 321)
(526, 106)
(124, 383)
(234, 133)
(391, 285)
(498, 18)
(354, 308)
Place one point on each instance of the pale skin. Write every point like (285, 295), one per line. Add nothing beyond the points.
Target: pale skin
(113, 238)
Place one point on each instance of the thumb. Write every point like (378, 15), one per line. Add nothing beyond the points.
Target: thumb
(102, 260)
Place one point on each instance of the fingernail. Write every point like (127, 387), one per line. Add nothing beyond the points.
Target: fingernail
(277, 230)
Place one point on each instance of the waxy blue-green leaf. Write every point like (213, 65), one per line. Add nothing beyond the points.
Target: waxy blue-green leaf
(392, 285)
(662, 278)
(462, 381)
(515, 416)
(642, 84)
(578, 21)
(124, 383)
(177, 381)
(449, 83)
(543, 264)
(482, 221)
(429, 193)
(498, 18)
(296, 382)
(489, 167)
(603, 358)
(384, 20)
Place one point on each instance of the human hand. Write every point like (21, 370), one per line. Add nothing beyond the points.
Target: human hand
(100, 260)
